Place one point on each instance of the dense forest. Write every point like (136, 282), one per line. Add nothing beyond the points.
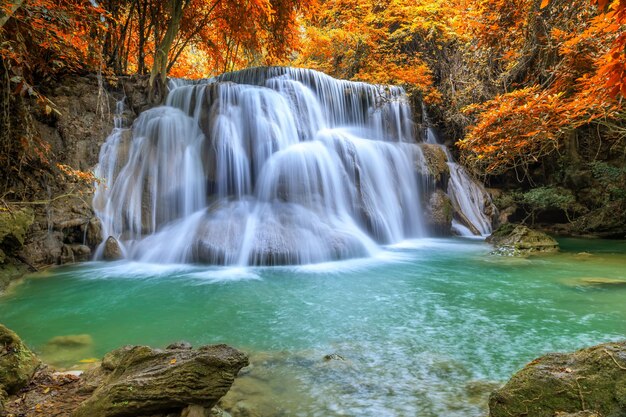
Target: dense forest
(530, 91)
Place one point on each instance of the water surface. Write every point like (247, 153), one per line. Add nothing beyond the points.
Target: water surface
(426, 328)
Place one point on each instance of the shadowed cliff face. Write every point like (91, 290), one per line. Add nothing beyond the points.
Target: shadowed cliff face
(61, 225)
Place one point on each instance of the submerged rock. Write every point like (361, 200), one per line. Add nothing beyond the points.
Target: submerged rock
(518, 240)
(596, 282)
(139, 380)
(585, 383)
(68, 350)
(112, 250)
(17, 362)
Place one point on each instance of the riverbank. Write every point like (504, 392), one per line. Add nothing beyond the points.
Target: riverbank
(133, 381)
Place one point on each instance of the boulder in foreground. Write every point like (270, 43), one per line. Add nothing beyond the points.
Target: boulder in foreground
(139, 380)
(17, 362)
(589, 382)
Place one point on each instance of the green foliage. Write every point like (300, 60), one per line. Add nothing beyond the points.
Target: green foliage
(543, 198)
(612, 179)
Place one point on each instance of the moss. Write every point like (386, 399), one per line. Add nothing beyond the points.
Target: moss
(436, 161)
(17, 362)
(517, 240)
(14, 225)
(591, 380)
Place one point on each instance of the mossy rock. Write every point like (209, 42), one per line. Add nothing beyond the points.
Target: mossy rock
(436, 162)
(518, 240)
(585, 383)
(139, 380)
(17, 362)
(14, 225)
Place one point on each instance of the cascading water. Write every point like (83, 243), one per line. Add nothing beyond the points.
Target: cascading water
(264, 166)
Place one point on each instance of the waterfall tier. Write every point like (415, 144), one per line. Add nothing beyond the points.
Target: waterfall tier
(269, 166)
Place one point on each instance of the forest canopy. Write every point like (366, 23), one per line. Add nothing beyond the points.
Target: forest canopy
(512, 79)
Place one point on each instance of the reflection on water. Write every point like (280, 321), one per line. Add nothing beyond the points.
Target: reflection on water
(428, 327)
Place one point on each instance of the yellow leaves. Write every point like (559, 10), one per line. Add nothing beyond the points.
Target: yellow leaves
(173, 361)
(544, 4)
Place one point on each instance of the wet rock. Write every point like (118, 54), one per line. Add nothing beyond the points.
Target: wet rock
(439, 213)
(68, 350)
(112, 250)
(179, 345)
(17, 362)
(195, 411)
(584, 383)
(333, 357)
(139, 380)
(518, 240)
(596, 282)
(81, 252)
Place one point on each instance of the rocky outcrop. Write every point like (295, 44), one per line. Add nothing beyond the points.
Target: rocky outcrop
(17, 363)
(139, 380)
(14, 226)
(62, 227)
(586, 383)
(517, 240)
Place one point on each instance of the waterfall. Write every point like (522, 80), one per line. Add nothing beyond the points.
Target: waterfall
(265, 166)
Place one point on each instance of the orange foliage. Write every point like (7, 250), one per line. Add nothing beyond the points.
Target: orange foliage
(565, 74)
(44, 38)
(374, 41)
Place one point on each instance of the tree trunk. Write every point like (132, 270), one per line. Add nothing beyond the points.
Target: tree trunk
(159, 67)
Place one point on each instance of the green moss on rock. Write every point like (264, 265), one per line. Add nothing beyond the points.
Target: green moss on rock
(518, 240)
(139, 380)
(585, 383)
(17, 362)
(14, 225)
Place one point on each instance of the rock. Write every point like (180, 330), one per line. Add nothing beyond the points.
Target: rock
(195, 411)
(112, 250)
(68, 350)
(333, 357)
(3, 398)
(179, 345)
(596, 282)
(17, 363)
(588, 382)
(518, 240)
(439, 212)
(437, 164)
(14, 226)
(81, 252)
(139, 380)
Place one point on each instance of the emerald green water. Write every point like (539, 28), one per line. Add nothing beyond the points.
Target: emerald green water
(427, 328)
